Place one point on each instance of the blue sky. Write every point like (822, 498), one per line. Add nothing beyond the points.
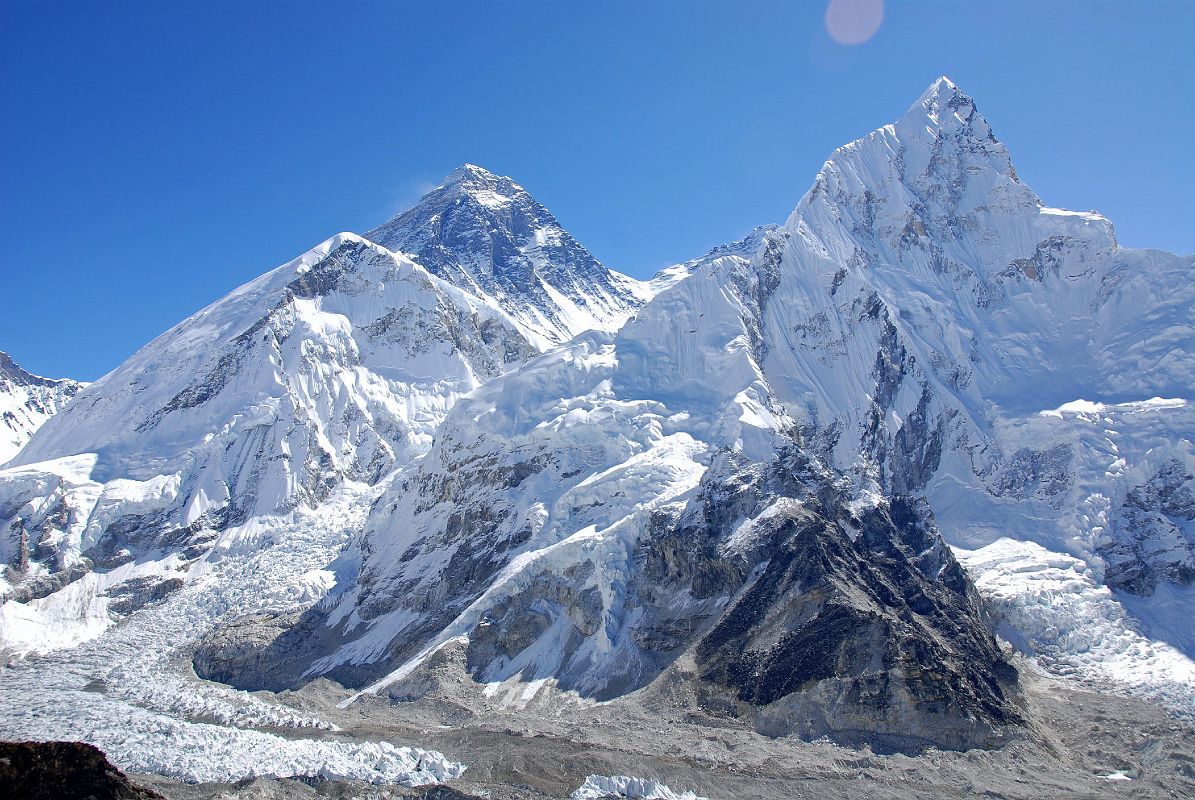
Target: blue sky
(157, 154)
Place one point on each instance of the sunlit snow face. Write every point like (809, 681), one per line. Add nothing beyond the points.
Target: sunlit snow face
(853, 21)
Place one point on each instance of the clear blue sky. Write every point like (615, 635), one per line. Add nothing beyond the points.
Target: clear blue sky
(154, 155)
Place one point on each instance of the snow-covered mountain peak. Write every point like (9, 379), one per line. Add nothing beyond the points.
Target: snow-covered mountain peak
(942, 100)
(745, 492)
(938, 188)
(943, 134)
(26, 402)
(475, 181)
(487, 235)
(10, 369)
(471, 185)
(468, 170)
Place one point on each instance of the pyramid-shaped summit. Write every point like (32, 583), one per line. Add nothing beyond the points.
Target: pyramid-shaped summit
(938, 180)
(487, 235)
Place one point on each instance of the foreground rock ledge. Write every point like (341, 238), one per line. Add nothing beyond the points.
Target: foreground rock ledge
(64, 771)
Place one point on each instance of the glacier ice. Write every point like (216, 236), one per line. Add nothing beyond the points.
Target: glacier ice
(507, 411)
(597, 787)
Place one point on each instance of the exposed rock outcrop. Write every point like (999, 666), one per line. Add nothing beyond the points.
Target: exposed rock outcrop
(64, 771)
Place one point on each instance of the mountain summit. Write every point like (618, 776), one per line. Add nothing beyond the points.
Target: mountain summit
(785, 489)
(751, 487)
(26, 402)
(487, 235)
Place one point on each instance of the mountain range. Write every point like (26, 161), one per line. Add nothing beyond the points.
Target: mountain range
(858, 477)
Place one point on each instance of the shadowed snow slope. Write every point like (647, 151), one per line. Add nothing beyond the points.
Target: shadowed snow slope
(487, 235)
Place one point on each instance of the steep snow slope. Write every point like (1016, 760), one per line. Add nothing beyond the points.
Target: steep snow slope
(337, 366)
(487, 235)
(927, 307)
(736, 489)
(902, 331)
(742, 249)
(624, 502)
(26, 402)
(212, 478)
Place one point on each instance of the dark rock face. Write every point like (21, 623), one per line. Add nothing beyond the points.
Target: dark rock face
(63, 771)
(25, 589)
(864, 628)
(443, 793)
(245, 652)
(132, 595)
(1032, 473)
(37, 398)
(869, 645)
(517, 623)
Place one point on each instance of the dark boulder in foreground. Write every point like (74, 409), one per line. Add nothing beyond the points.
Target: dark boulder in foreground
(63, 771)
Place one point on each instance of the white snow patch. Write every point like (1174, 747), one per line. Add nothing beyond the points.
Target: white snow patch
(597, 787)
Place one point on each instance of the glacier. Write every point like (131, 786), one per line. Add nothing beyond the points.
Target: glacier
(913, 323)
(462, 436)
(597, 787)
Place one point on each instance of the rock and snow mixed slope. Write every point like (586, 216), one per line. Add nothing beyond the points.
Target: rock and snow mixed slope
(200, 480)
(26, 402)
(487, 235)
(736, 489)
(335, 367)
(903, 332)
(627, 503)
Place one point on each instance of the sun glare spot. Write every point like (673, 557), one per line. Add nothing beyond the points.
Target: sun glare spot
(853, 21)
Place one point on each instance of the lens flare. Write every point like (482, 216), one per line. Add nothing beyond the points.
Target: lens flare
(853, 21)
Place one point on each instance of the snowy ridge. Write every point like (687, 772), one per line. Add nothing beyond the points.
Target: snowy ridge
(907, 324)
(337, 366)
(557, 530)
(558, 466)
(26, 402)
(740, 249)
(174, 497)
(462, 433)
(488, 235)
